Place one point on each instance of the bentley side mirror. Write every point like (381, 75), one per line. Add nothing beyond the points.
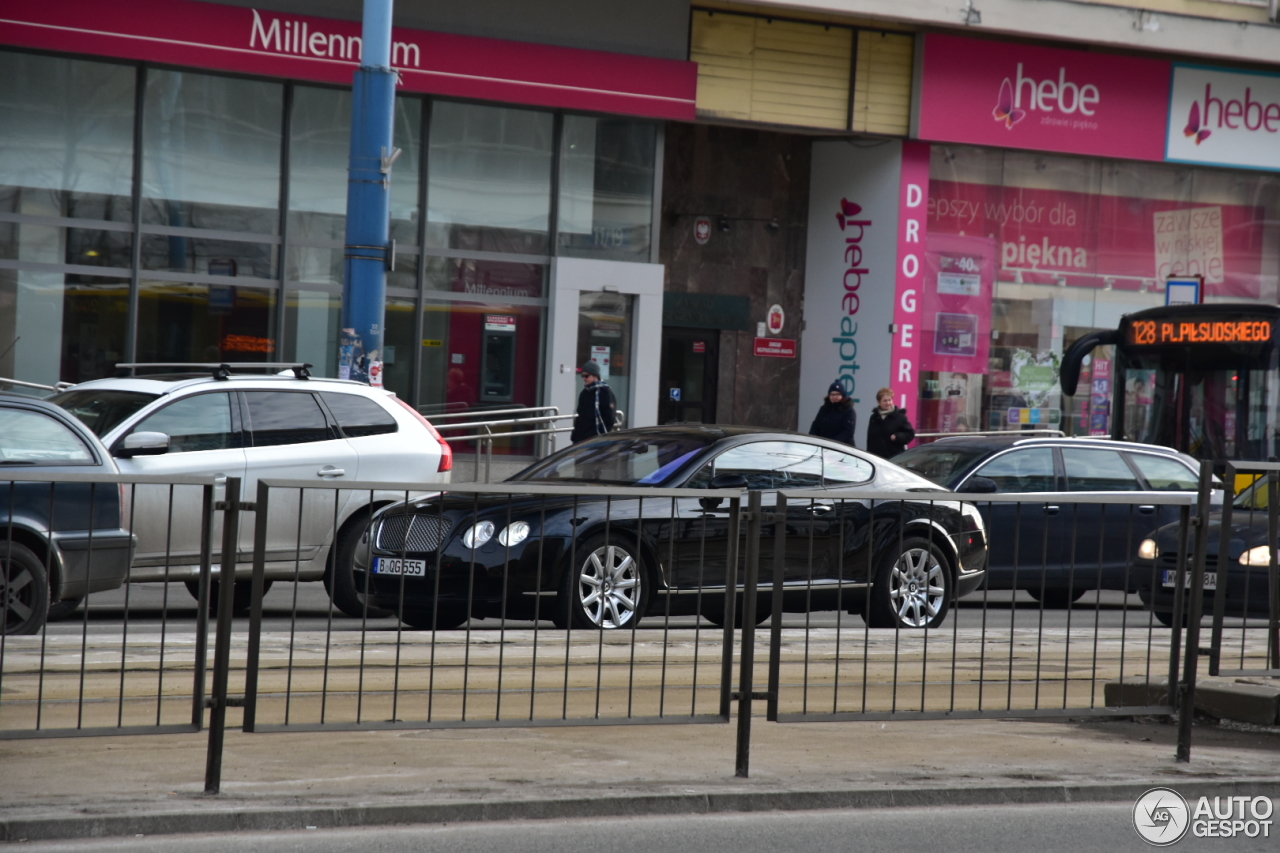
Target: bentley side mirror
(143, 444)
(722, 481)
(980, 486)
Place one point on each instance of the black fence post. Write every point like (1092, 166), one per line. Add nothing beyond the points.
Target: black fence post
(730, 600)
(776, 590)
(1187, 687)
(222, 640)
(1224, 549)
(202, 607)
(255, 609)
(1273, 575)
(745, 682)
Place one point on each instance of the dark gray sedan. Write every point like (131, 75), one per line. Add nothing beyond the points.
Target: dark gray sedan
(1058, 550)
(59, 539)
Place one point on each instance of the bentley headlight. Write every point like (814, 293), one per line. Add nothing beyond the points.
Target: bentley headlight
(514, 533)
(1259, 556)
(1148, 550)
(480, 533)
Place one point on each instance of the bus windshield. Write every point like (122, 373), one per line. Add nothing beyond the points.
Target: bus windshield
(1208, 410)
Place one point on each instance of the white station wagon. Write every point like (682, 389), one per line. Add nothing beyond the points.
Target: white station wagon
(221, 424)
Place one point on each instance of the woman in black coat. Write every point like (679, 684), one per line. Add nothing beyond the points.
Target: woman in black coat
(836, 418)
(888, 431)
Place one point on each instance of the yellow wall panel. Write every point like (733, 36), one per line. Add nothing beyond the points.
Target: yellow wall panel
(780, 72)
(882, 83)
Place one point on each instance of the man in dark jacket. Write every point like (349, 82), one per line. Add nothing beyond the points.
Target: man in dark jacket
(888, 431)
(597, 409)
(836, 418)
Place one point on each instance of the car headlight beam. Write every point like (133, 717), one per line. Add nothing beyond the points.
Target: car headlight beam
(478, 534)
(1258, 556)
(514, 533)
(1148, 550)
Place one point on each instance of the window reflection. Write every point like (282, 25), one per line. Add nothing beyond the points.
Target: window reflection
(606, 187)
(205, 323)
(211, 152)
(67, 126)
(489, 179)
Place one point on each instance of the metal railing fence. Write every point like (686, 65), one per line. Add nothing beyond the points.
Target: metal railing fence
(487, 634)
(510, 670)
(84, 676)
(994, 655)
(1245, 591)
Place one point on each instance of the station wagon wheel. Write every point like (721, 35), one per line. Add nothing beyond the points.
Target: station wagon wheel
(912, 588)
(24, 589)
(606, 588)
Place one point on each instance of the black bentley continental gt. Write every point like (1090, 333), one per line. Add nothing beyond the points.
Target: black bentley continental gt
(604, 560)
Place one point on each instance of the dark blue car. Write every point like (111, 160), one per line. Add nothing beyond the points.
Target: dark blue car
(1058, 550)
(59, 539)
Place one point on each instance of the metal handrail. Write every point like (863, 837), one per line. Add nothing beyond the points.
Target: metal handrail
(1054, 433)
(505, 422)
(61, 386)
(474, 412)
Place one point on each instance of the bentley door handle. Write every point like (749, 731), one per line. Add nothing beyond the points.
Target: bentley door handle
(1146, 510)
(1051, 510)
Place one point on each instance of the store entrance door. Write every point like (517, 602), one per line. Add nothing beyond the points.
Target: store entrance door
(690, 365)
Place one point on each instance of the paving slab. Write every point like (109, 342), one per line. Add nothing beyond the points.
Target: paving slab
(118, 785)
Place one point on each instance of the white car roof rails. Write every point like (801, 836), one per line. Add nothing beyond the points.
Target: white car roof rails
(222, 370)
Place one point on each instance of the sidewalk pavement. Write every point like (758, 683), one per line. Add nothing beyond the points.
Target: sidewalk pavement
(120, 786)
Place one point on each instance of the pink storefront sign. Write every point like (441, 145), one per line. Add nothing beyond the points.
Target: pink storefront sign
(1044, 99)
(910, 307)
(303, 47)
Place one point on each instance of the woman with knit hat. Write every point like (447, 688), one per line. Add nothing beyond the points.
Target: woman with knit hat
(836, 418)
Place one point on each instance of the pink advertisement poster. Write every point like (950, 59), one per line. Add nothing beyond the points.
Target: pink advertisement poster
(1089, 240)
(1044, 99)
(960, 274)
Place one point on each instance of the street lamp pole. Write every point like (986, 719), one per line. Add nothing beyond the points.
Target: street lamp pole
(369, 252)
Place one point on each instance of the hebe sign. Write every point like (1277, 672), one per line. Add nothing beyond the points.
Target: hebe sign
(1224, 117)
(1046, 99)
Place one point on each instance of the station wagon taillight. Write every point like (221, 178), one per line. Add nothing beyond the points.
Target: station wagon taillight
(446, 452)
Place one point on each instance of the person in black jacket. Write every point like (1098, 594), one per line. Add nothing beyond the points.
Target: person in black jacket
(836, 418)
(597, 409)
(888, 431)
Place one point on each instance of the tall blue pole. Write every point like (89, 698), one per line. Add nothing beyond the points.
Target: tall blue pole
(368, 252)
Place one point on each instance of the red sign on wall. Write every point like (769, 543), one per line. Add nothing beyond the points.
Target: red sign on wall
(699, 346)
(305, 47)
(775, 347)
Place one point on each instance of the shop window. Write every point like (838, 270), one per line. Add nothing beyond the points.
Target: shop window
(481, 356)
(67, 126)
(181, 322)
(231, 258)
(606, 187)
(211, 152)
(319, 147)
(58, 327)
(489, 178)
(312, 321)
(1027, 252)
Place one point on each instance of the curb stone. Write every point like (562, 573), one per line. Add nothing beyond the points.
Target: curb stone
(63, 827)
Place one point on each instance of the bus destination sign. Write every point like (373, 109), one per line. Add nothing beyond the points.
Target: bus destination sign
(1195, 332)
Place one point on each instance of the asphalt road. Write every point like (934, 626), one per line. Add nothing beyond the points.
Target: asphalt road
(148, 605)
(984, 829)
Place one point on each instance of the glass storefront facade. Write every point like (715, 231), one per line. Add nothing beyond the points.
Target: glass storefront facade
(1027, 252)
(151, 214)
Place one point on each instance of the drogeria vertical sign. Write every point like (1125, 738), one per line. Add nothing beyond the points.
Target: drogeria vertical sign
(849, 273)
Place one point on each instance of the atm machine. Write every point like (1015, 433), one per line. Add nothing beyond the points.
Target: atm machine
(498, 359)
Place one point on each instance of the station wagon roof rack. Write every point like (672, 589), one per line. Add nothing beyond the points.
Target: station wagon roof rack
(222, 370)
